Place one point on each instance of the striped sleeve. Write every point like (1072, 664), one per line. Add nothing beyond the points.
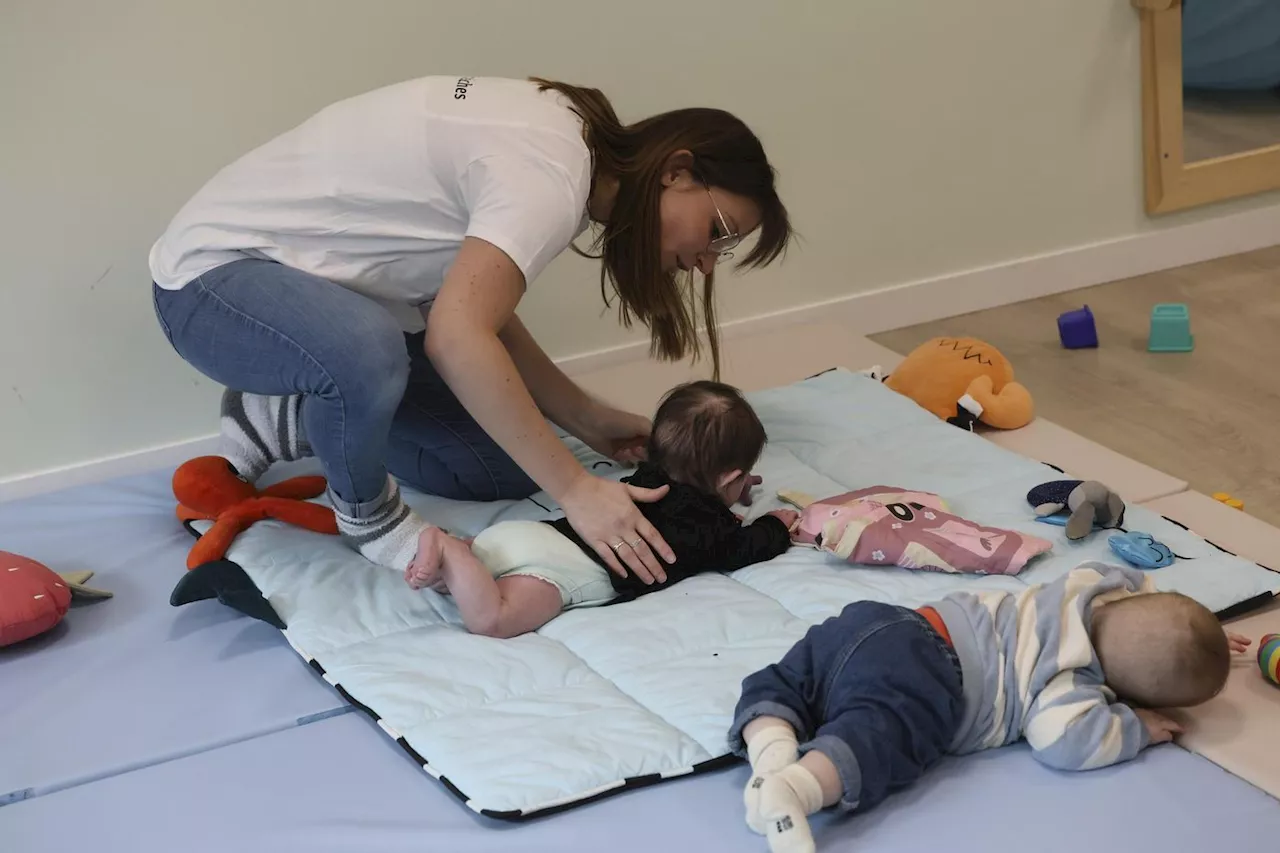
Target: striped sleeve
(1073, 725)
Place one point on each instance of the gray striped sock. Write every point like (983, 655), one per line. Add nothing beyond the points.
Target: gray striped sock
(389, 536)
(258, 430)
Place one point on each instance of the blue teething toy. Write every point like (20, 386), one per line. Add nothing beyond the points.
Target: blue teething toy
(1060, 519)
(1141, 549)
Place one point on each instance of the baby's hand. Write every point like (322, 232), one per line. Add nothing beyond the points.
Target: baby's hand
(749, 483)
(1159, 727)
(1238, 643)
(789, 517)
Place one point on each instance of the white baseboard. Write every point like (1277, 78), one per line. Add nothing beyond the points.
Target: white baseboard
(926, 300)
(107, 468)
(866, 313)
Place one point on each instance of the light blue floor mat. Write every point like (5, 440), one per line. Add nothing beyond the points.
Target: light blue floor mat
(132, 681)
(337, 786)
(605, 700)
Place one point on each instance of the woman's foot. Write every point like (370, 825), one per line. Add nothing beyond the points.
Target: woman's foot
(258, 431)
(388, 533)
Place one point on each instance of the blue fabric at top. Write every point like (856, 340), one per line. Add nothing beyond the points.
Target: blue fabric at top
(1231, 44)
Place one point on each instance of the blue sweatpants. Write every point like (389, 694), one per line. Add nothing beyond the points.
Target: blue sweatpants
(875, 689)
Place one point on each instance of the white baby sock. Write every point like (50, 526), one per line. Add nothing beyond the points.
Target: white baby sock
(769, 750)
(389, 536)
(787, 798)
(259, 430)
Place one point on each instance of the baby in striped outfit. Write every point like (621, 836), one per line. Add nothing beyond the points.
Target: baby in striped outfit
(870, 699)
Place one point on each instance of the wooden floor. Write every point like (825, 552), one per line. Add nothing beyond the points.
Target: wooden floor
(1217, 124)
(1210, 417)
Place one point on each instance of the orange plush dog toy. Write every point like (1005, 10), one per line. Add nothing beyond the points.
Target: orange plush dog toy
(964, 381)
(208, 488)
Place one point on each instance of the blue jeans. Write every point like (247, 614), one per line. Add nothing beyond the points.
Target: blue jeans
(372, 402)
(876, 690)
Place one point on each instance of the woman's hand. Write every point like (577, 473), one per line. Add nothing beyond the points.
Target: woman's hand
(622, 436)
(605, 515)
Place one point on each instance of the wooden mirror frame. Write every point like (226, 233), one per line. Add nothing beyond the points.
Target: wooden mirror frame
(1172, 183)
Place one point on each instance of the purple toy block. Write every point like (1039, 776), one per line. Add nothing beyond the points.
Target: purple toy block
(1077, 330)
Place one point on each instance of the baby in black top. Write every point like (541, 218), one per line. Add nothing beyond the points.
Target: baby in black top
(518, 575)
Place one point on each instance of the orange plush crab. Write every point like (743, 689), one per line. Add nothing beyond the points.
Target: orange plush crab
(208, 488)
(964, 381)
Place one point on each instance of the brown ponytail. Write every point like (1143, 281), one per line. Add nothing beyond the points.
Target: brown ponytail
(726, 155)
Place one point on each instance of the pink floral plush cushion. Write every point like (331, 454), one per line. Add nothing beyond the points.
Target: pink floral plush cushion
(890, 526)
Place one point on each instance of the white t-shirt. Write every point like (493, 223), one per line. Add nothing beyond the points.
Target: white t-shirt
(376, 193)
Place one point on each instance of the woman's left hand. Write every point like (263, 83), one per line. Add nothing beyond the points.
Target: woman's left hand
(622, 436)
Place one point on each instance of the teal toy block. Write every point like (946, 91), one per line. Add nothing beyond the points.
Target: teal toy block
(1170, 329)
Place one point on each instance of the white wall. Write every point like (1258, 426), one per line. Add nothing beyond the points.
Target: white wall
(913, 139)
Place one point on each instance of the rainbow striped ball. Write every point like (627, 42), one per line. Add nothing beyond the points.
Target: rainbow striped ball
(1269, 658)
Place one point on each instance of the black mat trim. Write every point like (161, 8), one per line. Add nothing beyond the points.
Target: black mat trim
(633, 783)
(1262, 566)
(1240, 608)
(1244, 607)
(356, 703)
(453, 789)
(1219, 547)
(413, 753)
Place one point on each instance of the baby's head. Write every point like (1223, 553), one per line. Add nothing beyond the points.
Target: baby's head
(1161, 650)
(706, 435)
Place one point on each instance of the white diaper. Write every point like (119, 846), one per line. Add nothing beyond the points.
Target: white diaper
(539, 550)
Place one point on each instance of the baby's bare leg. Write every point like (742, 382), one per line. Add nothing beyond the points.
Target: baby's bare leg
(825, 772)
(506, 607)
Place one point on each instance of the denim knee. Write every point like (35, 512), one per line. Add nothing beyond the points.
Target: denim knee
(371, 373)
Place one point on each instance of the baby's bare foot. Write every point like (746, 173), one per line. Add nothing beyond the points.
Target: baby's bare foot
(457, 557)
(427, 567)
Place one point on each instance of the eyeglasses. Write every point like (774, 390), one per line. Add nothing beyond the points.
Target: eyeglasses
(723, 244)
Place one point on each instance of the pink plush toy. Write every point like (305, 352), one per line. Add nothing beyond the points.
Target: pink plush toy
(890, 526)
(33, 598)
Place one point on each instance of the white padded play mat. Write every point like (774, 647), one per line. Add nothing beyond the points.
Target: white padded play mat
(605, 699)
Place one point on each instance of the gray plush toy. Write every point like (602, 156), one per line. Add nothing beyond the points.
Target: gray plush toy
(1090, 503)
